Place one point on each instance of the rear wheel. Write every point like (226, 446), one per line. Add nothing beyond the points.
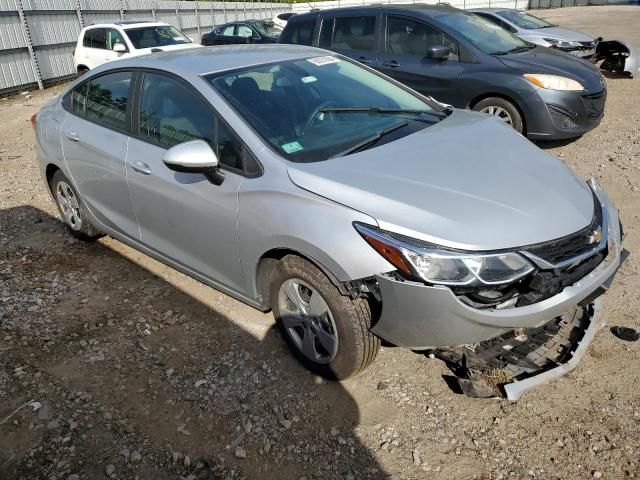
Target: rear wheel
(503, 109)
(72, 210)
(327, 331)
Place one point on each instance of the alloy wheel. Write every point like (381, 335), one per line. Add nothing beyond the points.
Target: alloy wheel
(499, 112)
(69, 205)
(308, 320)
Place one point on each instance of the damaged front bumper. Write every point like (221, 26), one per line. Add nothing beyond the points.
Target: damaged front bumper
(423, 317)
(617, 57)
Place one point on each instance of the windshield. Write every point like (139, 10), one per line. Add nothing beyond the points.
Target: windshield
(156, 36)
(487, 36)
(267, 29)
(524, 20)
(312, 109)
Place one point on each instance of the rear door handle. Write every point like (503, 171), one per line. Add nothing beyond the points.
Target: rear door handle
(364, 60)
(392, 64)
(73, 136)
(141, 167)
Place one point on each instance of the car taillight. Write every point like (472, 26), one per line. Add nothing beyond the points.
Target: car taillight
(33, 120)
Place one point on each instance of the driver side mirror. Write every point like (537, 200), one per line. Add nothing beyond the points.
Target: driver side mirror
(195, 156)
(119, 48)
(438, 52)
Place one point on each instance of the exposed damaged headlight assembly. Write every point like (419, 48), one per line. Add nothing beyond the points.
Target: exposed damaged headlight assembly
(554, 82)
(562, 43)
(436, 265)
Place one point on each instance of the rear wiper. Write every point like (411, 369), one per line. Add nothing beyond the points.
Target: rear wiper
(367, 142)
(385, 111)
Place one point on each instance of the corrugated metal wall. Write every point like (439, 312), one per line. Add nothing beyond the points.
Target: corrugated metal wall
(37, 37)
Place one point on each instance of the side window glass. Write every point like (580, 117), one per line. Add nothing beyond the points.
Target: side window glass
(410, 37)
(170, 113)
(113, 37)
(299, 33)
(354, 33)
(79, 99)
(107, 99)
(86, 41)
(99, 38)
(228, 31)
(326, 33)
(245, 31)
(228, 148)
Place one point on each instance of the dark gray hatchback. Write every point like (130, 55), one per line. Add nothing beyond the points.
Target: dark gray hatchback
(463, 60)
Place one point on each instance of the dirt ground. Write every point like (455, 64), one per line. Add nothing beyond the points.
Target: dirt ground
(143, 373)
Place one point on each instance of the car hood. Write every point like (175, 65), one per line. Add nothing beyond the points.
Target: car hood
(560, 33)
(551, 61)
(467, 182)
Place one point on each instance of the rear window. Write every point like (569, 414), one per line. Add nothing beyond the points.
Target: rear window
(300, 32)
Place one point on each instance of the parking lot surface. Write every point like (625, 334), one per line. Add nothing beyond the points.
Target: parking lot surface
(141, 372)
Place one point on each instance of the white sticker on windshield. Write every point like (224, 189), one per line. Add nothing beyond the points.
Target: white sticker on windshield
(309, 79)
(325, 60)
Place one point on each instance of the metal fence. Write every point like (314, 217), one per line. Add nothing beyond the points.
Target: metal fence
(534, 4)
(37, 36)
(464, 4)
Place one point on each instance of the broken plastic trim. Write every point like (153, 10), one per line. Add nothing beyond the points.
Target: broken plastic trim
(517, 361)
(617, 57)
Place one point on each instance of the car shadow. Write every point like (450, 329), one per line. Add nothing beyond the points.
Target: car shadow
(124, 355)
(549, 144)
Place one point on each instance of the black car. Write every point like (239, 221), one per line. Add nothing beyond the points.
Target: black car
(247, 31)
(464, 60)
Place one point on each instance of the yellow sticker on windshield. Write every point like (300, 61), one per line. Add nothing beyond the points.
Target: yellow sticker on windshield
(292, 147)
(324, 60)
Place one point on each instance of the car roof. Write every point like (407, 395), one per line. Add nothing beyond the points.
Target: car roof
(192, 62)
(424, 9)
(492, 10)
(127, 24)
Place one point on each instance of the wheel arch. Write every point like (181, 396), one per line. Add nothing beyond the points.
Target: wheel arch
(269, 261)
(50, 171)
(506, 97)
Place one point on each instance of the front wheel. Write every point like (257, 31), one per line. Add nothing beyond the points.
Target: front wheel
(503, 109)
(327, 331)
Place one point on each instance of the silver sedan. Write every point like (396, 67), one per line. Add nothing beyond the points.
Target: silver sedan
(296, 180)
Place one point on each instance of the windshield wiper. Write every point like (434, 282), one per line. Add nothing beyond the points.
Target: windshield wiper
(524, 48)
(367, 142)
(385, 111)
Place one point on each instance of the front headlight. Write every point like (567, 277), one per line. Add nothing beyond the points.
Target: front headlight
(445, 267)
(562, 43)
(554, 82)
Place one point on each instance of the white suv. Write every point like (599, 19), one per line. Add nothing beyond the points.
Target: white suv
(98, 44)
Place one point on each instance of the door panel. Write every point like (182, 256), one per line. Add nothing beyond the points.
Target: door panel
(95, 155)
(185, 217)
(406, 42)
(182, 216)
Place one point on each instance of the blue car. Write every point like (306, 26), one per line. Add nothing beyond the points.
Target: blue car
(466, 61)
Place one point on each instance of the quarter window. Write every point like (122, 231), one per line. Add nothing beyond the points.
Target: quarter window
(354, 33)
(107, 100)
(410, 37)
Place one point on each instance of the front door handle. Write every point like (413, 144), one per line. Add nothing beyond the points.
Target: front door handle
(364, 60)
(392, 64)
(141, 167)
(73, 136)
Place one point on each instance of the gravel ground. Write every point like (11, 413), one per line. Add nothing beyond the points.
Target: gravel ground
(140, 372)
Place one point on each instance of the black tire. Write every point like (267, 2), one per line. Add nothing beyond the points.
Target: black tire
(77, 222)
(515, 119)
(357, 346)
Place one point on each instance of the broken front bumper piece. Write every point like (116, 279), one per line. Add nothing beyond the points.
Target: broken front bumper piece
(431, 317)
(617, 57)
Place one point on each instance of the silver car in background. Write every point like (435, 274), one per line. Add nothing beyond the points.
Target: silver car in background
(536, 30)
(300, 181)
